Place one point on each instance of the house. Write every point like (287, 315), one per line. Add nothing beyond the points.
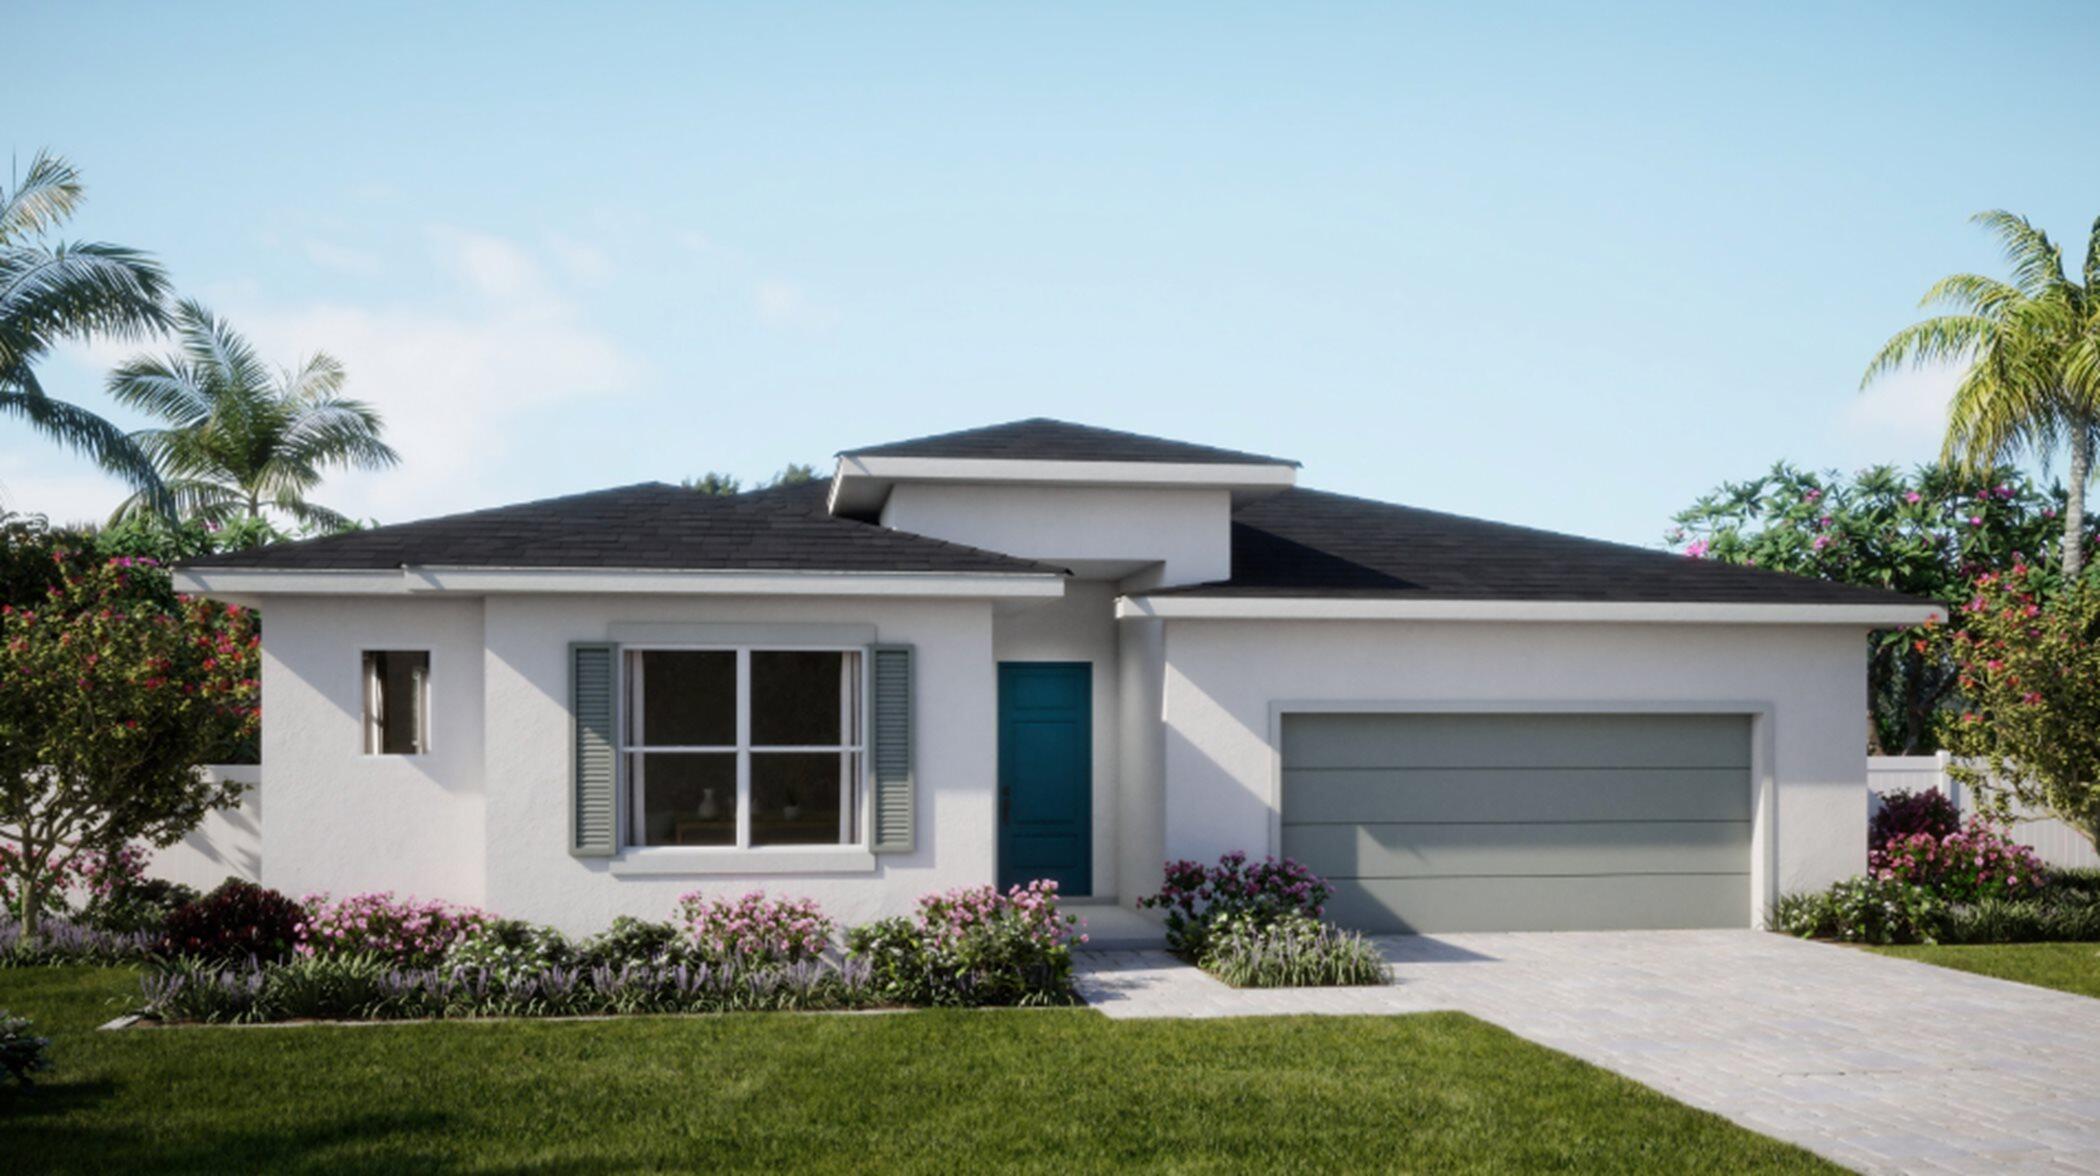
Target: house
(1044, 650)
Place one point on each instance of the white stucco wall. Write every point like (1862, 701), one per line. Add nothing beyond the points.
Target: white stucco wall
(1187, 532)
(1140, 757)
(529, 871)
(1079, 627)
(343, 821)
(1224, 679)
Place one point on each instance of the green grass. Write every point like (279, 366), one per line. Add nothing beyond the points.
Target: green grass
(949, 1091)
(2070, 967)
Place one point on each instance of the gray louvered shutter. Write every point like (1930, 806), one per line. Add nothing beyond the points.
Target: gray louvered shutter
(594, 765)
(895, 810)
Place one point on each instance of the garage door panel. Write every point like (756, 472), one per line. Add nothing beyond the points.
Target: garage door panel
(1517, 741)
(1446, 822)
(1595, 903)
(1513, 794)
(1513, 850)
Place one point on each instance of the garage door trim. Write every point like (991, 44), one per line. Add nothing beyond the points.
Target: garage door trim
(1764, 793)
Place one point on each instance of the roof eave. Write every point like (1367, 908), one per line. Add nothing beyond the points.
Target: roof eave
(1192, 606)
(861, 482)
(420, 580)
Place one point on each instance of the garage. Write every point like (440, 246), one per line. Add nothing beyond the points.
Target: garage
(1522, 822)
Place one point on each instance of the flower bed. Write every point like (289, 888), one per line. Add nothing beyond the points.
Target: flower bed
(374, 957)
(1257, 925)
(1931, 879)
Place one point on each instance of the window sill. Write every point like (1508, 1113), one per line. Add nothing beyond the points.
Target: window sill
(815, 859)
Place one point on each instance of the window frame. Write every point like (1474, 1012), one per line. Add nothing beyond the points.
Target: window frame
(854, 805)
(371, 689)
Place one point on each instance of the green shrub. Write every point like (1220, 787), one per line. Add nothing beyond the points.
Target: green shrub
(973, 946)
(1863, 910)
(508, 949)
(21, 1050)
(1293, 951)
(634, 941)
(324, 988)
(192, 988)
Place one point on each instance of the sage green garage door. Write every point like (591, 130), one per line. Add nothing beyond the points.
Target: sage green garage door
(1522, 822)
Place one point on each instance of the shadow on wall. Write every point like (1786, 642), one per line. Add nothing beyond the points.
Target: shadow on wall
(227, 844)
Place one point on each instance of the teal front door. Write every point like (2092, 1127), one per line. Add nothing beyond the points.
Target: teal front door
(1046, 774)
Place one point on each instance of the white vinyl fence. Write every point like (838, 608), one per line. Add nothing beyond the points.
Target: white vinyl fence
(227, 845)
(2057, 843)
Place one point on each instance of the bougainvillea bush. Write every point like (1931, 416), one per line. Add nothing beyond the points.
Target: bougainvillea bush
(755, 928)
(974, 946)
(1928, 533)
(1975, 861)
(407, 932)
(2028, 734)
(1195, 896)
(112, 691)
(238, 921)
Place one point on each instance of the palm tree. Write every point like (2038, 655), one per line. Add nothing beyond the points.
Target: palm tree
(2031, 347)
(241, 438)
(51, 291)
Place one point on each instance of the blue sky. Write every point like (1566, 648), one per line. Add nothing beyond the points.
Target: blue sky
(1565, 265)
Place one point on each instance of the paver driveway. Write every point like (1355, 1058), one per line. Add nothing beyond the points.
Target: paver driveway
(1881, 1064)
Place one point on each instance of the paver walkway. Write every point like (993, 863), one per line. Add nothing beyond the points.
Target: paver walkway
(1881, 1064)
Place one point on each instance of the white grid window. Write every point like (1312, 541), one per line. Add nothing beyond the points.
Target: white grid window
(743, 747)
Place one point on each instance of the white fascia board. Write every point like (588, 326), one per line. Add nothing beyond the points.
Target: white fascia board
(425, 580)
(859, 484)
(1271, 608)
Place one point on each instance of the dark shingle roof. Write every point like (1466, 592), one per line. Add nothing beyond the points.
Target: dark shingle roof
(651, 526)
(1043, 439)
(1304, 543)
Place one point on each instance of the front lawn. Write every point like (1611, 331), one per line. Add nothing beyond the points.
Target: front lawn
(951, 1090)
(2070, 967)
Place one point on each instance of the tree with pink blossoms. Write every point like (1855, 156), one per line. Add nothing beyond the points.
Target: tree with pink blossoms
(110, 697)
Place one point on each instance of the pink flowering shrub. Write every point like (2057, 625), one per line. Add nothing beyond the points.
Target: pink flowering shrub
(755, 929)
(411, 933)
(973, 946)
(1196, 896)
(1975, 861)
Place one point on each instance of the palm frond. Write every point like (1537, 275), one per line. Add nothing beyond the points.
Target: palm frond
(74, 291)
(2092, 261)
(338, 432)
(43, 200)
(213, 345)
(1972, 292)
(1953, 338)
(166, 388)
(87, 433)
(321, 377)
(2037, 263)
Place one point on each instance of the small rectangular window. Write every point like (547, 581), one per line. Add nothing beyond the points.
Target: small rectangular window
(397, 702)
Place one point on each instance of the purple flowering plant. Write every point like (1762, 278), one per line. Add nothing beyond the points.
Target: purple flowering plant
(755, 928)
(1195, 896)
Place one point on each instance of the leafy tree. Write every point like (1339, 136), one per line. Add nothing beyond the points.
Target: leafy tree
(2028, 652)
(109, 700)
(241, 438)
(718, 483)
(791, 474)
(2030, 351)
(55, 290)
(1928, 533)
(715, 483)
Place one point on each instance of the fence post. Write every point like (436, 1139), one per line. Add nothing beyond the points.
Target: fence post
(1948, 786)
